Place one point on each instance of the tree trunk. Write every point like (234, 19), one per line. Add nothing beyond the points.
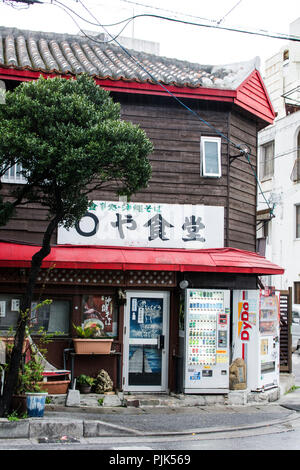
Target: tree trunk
(24, 312)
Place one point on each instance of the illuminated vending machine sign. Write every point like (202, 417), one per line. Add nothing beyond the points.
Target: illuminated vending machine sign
(207, 341)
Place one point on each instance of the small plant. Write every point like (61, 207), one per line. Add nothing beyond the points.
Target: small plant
(88, 332)
(85, 380)
(14, 416)
(292, 389)
(29, 377)
(100, 401)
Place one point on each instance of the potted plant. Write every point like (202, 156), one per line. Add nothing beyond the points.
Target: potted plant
(91, 340)
(28, 393)
(85, 383)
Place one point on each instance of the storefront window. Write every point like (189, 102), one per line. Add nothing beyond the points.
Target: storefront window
(100, 310)
(52, 317)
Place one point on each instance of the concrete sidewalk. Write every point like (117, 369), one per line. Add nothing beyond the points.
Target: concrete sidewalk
(158, 415)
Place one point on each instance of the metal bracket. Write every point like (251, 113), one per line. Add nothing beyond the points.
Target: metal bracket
(244, 150)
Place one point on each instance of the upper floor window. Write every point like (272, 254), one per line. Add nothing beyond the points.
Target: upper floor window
(14, 175)
(211, 157)
(267, 160)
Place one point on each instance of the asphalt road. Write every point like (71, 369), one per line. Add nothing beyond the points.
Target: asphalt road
(282, 436)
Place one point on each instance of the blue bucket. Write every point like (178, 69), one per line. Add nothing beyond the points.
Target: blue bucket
(36, 404)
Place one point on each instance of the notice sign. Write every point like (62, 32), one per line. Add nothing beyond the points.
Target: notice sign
(117, 223)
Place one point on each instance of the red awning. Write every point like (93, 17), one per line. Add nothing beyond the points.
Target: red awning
(224, 260)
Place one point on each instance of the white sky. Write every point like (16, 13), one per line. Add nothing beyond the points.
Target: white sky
(192, 43)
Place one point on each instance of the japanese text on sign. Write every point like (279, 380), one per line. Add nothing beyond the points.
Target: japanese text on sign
(140, 224)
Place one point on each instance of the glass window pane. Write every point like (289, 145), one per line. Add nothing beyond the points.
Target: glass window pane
(144, 365)
(54, 317)
(211, 158)
(146, 318)
(12, 172)
(18, 170)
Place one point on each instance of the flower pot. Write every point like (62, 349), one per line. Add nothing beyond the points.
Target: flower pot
(55, 387)
(84, 388)
(92, 346)
(36, 404)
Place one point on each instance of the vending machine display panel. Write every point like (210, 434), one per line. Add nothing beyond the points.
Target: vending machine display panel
(207, 341)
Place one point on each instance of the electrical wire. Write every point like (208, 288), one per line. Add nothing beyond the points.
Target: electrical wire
(84, 32)
(246, 154)
(272, 35)
(228, 13)
(263, 33)
(168, 11)
(137, 62)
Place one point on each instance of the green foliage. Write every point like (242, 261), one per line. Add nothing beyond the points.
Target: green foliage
(85, 380)
(87, 332)
(29, 377)
(67, 134)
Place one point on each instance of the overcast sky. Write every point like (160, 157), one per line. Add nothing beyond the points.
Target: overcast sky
(192, 43)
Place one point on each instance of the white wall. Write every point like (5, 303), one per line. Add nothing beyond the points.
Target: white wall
(282, 247)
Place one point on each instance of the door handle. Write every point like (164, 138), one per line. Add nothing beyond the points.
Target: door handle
(161, 342)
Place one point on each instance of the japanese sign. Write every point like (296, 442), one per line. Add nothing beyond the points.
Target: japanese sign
(117, 223)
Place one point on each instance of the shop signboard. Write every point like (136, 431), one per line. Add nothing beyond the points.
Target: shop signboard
(117, 223)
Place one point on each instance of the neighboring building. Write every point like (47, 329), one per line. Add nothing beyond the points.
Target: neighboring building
(202, 197)
(279, 168)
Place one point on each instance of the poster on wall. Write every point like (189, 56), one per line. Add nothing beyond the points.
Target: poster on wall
(98, 311)
(117, 223)
(146, 318)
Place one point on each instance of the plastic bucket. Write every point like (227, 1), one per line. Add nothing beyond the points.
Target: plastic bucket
(36, 404)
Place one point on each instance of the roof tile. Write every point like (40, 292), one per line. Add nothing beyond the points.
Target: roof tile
(71, 54)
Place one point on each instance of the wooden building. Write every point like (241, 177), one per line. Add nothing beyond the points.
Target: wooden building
(185, 109)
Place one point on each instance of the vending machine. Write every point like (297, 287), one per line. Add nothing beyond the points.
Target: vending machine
(256, 336)
(207, 327)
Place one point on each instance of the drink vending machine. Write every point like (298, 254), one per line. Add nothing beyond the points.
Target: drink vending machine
(207, 327)
(256, 336)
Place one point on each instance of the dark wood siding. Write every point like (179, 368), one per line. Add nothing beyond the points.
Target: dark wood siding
(242, 185)
(175, 133)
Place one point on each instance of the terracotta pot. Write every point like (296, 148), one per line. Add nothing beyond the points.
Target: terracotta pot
(55, 387)
(92, 346)
(9, 341)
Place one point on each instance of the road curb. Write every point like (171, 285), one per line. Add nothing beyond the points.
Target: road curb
(80, 428)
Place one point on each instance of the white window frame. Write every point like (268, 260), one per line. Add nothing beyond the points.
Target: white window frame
(203, 171)
(266, 164)
(11, 176)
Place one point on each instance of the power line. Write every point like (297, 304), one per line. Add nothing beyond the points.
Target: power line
(264, 33)
(64, 8)
(228, 13)
(168, 11)
(239, 147)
